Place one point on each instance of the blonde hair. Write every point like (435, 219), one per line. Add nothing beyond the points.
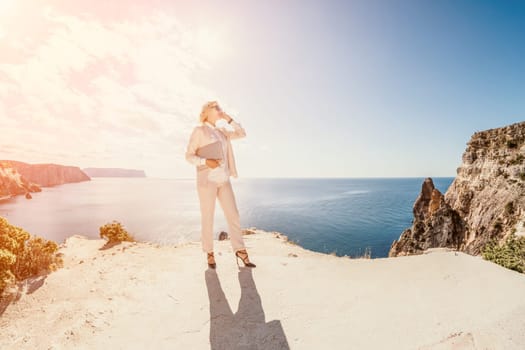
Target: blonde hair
(204, 112)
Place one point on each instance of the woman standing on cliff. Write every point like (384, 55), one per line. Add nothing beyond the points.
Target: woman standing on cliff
(213, 179)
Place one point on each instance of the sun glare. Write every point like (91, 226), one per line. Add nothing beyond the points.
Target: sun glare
(211, 43)
(5, 5)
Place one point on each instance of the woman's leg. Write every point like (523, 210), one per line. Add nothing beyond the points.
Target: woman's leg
(229, 207)
(207, 198)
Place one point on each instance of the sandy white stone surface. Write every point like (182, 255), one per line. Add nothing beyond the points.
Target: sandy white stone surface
(145, 296)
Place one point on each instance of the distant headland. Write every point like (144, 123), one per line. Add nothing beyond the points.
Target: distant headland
(22, 178)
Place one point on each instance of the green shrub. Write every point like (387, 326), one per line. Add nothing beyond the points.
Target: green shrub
(114, 232)
(7, 260)
(512, 144)
(23, 255)
(367, 254)
(510, 254)
(39, 253)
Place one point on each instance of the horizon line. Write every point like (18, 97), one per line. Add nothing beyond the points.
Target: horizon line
(296, 177)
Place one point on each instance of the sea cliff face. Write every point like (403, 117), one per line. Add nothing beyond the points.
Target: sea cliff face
(13, 183)
(485, 200)
(19, 177)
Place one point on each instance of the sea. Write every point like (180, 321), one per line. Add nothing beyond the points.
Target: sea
(341, 216)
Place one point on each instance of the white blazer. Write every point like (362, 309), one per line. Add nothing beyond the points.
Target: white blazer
(200, 136)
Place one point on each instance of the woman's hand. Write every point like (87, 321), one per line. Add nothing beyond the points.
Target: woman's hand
(226, 117)
(212, 163)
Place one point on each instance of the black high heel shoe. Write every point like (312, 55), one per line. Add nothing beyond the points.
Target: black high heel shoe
(213, 264)
(245, 259)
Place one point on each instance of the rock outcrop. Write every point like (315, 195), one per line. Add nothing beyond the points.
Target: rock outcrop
(435, 224)
(485, 200)
(12, 183)
(46, 175)
(114, 172)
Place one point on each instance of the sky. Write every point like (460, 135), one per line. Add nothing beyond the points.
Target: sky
(322, 88)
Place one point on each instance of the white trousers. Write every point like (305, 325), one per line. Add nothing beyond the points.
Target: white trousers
(208, 193)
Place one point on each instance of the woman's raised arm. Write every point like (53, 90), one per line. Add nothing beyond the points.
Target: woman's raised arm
(237, 133)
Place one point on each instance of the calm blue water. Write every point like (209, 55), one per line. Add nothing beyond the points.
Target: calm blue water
(344, 216)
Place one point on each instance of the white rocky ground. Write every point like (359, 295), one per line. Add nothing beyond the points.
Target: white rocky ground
(144, 296)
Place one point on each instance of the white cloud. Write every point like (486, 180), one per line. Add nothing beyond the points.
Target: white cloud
(91, 90)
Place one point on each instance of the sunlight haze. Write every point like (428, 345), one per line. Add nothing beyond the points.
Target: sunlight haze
(323, 89)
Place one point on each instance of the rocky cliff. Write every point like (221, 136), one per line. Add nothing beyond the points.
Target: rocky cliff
(485, 200)
(13, 183)
(43, 175)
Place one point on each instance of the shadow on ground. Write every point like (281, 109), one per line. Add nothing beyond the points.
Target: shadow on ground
(247, 328)
(27, 286)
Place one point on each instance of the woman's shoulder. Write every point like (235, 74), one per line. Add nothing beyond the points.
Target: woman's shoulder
(197, 129)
